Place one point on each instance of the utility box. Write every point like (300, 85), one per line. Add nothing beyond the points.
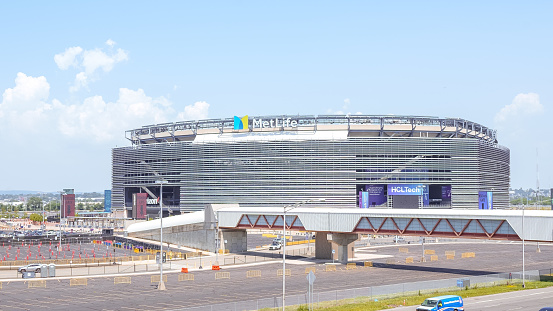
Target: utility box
(52, 270)
(28, 274)
(463, 283)
(43, 271)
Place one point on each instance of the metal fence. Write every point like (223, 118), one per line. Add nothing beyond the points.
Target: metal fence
(364, 294)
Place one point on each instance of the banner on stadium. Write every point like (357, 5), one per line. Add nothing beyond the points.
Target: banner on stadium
(405, 189)
(485, 200)
(363, 199)
(377, 195)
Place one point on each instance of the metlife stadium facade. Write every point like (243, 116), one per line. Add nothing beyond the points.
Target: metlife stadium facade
(356, 161)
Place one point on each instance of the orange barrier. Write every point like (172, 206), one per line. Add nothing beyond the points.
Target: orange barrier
(215, 268)
(184, 270)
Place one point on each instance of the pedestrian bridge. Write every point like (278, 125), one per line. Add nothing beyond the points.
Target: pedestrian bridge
(474, 224)
(337, 228)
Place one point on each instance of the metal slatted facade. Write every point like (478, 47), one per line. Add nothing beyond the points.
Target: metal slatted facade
(278, 173)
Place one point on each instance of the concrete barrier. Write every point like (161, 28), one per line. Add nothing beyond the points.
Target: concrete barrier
(429, 252)
(409, 260)
(287, 271)
(330, 268)
(434, 258)
(368, 264)
(351, 266)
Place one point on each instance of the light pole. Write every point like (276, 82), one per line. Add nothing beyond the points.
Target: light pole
(61, 195)
(286, 209)
(523, 265)
(161, 285)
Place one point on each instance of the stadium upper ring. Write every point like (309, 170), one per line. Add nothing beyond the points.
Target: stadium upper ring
(356, 126)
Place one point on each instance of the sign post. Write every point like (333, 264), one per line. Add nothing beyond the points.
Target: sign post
(310, 279)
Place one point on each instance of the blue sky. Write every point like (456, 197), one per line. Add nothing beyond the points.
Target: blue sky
(75, 75)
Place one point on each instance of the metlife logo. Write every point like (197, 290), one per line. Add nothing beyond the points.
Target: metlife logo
(243, 123)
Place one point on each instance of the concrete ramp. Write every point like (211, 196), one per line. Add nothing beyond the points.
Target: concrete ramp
(196, 230)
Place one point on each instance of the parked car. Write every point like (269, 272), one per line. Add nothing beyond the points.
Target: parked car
(32, 267)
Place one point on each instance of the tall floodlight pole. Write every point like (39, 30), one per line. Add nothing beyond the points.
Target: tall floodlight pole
(286, 209)
(161, 285)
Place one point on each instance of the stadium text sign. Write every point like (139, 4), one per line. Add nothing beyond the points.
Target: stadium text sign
(404, 189)
(243, 123)
(260, 123)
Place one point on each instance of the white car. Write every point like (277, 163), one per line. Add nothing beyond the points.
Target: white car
(32, 267)
(276, 245)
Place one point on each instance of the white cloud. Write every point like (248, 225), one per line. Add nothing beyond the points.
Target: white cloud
(81, 80)
(95, 59)
(343, 110)
(68, 58)
(107, 121)
(197, 111)
(89, 62)
(523, 105)
(24, 108)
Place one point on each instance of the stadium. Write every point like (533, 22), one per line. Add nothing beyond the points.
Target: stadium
(350, 161)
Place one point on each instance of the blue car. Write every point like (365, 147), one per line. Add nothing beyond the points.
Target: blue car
(442, 303)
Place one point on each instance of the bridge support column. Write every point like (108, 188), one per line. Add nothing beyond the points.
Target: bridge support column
(235, 241)
(323, 247)
(342, 242)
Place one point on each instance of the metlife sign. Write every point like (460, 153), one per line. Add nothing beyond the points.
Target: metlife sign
(405, 189)
(244, 123)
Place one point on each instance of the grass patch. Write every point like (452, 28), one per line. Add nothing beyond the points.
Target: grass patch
(367, 304)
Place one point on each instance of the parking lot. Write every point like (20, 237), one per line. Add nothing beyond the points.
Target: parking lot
(101, 293)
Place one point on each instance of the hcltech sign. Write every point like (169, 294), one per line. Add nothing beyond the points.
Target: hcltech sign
(405, 189)
(243, 123)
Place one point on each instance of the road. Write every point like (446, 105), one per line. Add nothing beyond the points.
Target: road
(528, 300)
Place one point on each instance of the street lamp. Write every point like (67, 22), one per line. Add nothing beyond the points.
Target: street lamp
(161, 285)
(286, 209)
(523, 265)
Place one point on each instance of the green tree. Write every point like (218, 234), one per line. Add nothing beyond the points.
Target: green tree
(35, 217)
(34, 204)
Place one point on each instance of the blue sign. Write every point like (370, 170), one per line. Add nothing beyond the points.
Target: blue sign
(107, 201)
(405, 189)
(425, 196)
(363, 199)
(485, 200)
(377, 195)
